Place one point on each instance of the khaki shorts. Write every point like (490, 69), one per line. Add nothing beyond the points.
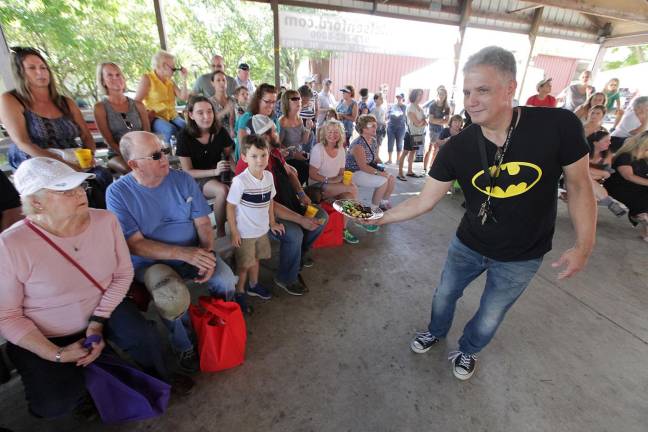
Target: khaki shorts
(252, 249)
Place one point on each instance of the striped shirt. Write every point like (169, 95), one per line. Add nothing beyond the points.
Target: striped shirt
(252, 197)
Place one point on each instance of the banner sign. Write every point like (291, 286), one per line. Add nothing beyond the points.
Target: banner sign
(363, 33)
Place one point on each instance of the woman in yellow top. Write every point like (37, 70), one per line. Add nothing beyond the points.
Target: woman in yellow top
(158, 92)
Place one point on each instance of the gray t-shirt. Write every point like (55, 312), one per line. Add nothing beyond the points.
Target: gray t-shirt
(574, 99)
(203, 85)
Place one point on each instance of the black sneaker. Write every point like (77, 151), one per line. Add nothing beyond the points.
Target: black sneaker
(188, 361)
(181, 385)
(241, 299)
(423, 341)
(294, 288)
(307, 262)
(463, 365)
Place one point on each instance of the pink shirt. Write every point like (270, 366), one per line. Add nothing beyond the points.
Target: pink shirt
(42, 290)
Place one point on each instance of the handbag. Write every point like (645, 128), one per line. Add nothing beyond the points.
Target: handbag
(221, 332)
(373, 164)
(124, 393)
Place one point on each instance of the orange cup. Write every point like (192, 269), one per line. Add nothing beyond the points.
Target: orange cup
(347, 177)
(84, 156)
(311, 211)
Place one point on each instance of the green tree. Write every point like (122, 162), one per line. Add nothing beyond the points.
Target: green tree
(76, 35)
(637, 54)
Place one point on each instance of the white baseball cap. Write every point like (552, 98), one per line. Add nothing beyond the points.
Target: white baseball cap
(262, 124)
(169, 292)
(44, 173)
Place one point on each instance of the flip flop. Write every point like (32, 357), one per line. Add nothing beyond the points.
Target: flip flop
(413, 175)
(401, 178)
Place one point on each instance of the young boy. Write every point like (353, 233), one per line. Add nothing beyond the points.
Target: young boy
(250, 214)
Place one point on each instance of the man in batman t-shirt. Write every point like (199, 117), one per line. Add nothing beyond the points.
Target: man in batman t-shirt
(508, 163)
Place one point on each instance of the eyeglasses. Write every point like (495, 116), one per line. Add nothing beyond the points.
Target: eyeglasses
(295, 99)
(269, 101)
(83, 187)
(128, 123)
(157, 155)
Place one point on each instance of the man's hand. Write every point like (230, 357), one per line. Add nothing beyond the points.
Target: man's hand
(199, 257)
(204, 277)
(308, 223)
(574, 258)
(305, 200)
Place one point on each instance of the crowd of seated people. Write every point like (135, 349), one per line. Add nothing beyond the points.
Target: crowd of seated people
(157, 228)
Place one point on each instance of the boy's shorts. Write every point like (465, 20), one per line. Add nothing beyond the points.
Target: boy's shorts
(252, 249)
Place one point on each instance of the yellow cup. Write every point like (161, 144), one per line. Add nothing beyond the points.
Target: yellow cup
(311, 211)
(84, 156)
(346, 177)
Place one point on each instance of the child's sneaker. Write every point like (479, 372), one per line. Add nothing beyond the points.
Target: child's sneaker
(259, 291)
(350, 238)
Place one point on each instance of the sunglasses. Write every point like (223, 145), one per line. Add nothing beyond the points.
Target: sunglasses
(295, 99)
(128, 123)
(157, 155)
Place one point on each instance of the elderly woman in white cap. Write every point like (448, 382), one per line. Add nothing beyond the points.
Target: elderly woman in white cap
(65, 270)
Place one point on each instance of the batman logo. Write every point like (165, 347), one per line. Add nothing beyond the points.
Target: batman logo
(515, 178)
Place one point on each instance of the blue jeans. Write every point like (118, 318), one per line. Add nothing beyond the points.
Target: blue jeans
(294, 244)
(395, 134)
(505, 282)
(221, 284)
(168, 128)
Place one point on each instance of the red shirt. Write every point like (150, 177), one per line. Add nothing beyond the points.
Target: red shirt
(549, 101)
(275, 155)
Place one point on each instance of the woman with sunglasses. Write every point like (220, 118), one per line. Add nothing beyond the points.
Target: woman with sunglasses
(263, 102)
(205, 153)
(48, 306)
(158, 92)
(39, 119)
(295, 133)
(117, 114)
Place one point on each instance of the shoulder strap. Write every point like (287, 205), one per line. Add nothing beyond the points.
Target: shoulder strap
(65, 255)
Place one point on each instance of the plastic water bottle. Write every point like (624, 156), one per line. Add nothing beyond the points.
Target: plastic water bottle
(172, 143)
(226, 176)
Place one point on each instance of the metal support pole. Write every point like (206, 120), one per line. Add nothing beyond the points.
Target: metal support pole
(159, 18)
(5, 64)
(598, 60)
(277, 48)
(533, 33)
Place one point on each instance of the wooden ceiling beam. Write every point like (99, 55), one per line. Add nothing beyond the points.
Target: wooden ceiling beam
(638, 15)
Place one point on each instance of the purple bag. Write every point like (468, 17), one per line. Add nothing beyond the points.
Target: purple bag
(122, 392)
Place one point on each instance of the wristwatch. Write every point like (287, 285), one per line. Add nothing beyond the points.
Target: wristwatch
(97, 319)
(301, 194)
(57, 357)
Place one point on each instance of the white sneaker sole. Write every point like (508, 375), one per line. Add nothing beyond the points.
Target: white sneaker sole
(417, 350)
(463, 377)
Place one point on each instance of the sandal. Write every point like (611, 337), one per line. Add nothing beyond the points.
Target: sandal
(413, 175)
(401, 178)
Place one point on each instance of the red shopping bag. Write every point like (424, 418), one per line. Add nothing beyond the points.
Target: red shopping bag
(333, 231)
(221, 332)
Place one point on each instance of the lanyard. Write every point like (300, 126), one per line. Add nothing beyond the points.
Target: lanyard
(486, 211)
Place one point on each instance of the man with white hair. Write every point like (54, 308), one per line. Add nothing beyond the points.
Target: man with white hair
(508, 164)
(165, 220)
(203, 84)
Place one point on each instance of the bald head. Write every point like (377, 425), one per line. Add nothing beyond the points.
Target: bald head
(138, 144)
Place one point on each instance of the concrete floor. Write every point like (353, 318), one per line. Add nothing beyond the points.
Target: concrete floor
(570, 356)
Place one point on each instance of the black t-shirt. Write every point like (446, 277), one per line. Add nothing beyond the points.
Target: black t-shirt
(9, 197)
(524, 201)
(445, 133)
(203, 156)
